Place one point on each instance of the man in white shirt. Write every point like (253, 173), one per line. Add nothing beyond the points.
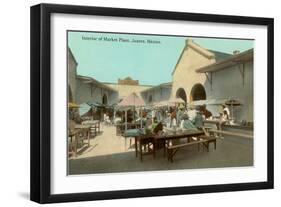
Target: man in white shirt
(191, 113)
(225, 110)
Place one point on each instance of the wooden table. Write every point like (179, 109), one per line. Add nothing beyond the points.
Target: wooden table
(95, 125)
(73, 134)
(168, 136)
(153, 139)
(120, 128)
(80, 132)
(146, 141)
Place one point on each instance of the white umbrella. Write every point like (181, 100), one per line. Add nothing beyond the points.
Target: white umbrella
(133, 100)
(176, 100)
(233, 102)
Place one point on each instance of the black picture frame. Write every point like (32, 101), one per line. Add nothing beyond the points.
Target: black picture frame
(41, 102)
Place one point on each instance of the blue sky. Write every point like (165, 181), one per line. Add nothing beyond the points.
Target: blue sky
(150, 63)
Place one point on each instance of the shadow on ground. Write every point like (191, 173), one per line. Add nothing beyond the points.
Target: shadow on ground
(230, 152)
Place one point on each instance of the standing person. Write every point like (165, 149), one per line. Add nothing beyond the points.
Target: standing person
(153, 114)
(174, 119)
(180, 113)
(206, 112)
(223, 119)
(225, 110)
(159, 115)
(191, 113)
(225, 116)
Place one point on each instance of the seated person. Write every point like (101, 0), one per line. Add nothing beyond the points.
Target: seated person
(187, 124)
(158, 128)
(198, 121)
(154, 127)
(154, 123)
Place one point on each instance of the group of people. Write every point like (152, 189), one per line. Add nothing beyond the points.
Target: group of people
(193, 117)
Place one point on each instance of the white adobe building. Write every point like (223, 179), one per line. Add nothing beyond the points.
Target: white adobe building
(202, 74)
(157, 93)
(127, 86)
(82, 89)
(199, 74)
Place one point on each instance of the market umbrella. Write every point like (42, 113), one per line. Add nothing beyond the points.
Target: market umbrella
(218, 101)
(84, 108)
(72, 105)
(176, 100)
(160, 104)
(133, 100)
(95, 104)
(233, 102)
(170, 102)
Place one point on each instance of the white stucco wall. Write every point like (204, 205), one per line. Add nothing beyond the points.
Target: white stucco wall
(86, 92)
(126, 90)
(185, 75)
(158, 94)
(83, 92)
(228, 83)
(72, 75)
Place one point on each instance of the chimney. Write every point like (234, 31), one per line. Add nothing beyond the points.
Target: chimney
(188, 41)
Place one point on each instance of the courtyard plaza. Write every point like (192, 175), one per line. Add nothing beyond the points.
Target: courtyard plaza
(111, 153)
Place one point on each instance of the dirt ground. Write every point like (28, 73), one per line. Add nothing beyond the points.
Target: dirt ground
(109, 153)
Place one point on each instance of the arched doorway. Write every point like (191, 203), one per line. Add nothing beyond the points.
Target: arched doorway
(181, 94)
(104, 99)
(197, 92)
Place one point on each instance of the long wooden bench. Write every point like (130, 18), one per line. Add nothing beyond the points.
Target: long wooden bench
(250, 136)
(209, 139)
(204, 139)
(172, 150)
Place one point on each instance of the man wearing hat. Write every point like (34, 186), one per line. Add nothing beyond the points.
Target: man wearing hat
(198, 120)
(186, 123)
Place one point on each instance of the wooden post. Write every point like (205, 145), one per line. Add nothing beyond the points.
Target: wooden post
(88, 132)
(141, 116)
(126, 127)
